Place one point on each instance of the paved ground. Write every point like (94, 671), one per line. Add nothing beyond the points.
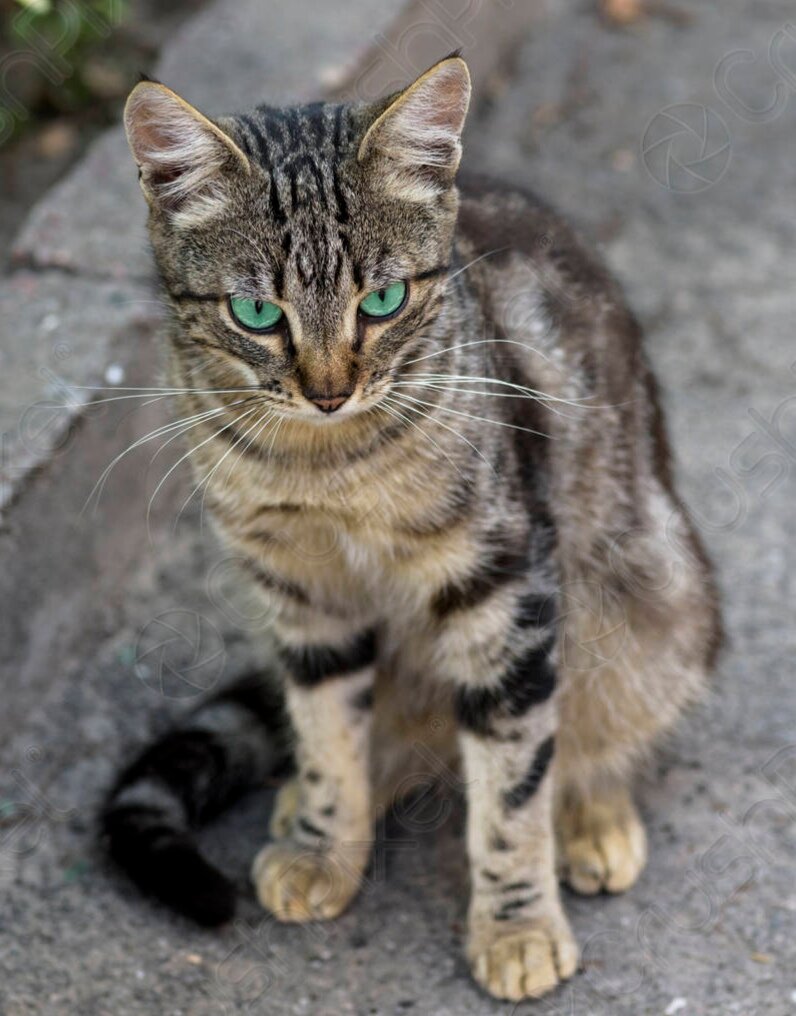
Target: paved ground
(711, 927)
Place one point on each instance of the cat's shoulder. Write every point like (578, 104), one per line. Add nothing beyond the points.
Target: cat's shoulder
(508, 224)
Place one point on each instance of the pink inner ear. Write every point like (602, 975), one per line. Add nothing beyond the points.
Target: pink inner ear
(151, 138)
(418, 136)
(449, 98)
(181, 157)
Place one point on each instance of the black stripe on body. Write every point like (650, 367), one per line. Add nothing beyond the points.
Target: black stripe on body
(523, 791)
(309, 665)
(528, 682)
(459, 504)
(273, 582)
(363, 700)
(231, 743)
(535, 611)
(499, 842)
(508, 911)
(516, 887)
(503, 566)
(310, 828)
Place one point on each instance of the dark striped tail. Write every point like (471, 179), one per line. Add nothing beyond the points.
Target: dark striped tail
(227, 746)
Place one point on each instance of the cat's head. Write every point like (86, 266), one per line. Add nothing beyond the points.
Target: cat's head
(305, 249)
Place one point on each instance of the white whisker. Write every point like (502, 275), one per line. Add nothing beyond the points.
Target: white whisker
(534, 393)
(179, 425)
(471, 416)
(481, 257)
(205, 482)
(414, 409)
(482, 342)
(388, 407)
(190, 452)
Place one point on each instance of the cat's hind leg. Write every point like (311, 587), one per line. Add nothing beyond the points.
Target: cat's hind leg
(602, 844)
(636, 644)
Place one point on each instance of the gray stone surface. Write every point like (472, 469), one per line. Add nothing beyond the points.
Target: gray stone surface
(228, 57)
(62, 337)
(710, 928)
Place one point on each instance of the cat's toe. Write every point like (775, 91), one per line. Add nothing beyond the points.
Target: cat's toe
(524, 961)
(605, 850)
(299, 884)
(285, 809)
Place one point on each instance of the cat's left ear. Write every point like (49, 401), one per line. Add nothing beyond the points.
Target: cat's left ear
(415, 144)
(185, 160)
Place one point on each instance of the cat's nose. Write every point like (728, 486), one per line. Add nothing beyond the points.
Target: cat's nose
(328, 403)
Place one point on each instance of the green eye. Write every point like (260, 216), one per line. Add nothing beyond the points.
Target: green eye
(383, 302)
(256, 315)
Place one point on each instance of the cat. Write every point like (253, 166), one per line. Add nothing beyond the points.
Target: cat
(425, 423)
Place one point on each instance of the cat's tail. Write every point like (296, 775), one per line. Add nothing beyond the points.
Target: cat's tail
(227, 746)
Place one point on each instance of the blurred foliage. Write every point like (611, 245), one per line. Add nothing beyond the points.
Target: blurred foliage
(57, 55)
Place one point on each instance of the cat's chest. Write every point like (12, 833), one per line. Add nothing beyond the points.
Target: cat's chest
(365, 541)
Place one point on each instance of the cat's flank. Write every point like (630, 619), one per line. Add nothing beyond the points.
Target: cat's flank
(423, 421)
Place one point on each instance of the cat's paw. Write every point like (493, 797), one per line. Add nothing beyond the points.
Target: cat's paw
(285, 809)
(603, 846)
(298, 883)
(522, 960)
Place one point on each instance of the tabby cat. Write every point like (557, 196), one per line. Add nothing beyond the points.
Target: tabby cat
(424, 422)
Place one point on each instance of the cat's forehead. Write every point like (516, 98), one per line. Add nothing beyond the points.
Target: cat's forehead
(277, 137)
(322, 231)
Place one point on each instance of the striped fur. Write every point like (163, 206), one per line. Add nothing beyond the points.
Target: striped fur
(481, 553)
(225, 747)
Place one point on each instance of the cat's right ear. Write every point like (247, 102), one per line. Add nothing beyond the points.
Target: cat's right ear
(184, 159)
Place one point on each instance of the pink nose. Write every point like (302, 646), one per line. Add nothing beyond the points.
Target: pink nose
(329, 403)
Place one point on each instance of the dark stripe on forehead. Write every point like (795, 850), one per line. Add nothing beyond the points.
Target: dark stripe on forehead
(305, 267)
(339, 196)
(278, 279)
(262, 142)
(293, 168)
(337, 135)
(314, 119)
(338, 265)
(281, 125)
(356, 271)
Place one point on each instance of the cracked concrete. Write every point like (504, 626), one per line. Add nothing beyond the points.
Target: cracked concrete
(710, 928)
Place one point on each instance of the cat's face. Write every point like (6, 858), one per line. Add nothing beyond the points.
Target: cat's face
(304, 250)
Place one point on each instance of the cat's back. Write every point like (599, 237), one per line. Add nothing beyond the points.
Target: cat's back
(557, 309)
(499, 219)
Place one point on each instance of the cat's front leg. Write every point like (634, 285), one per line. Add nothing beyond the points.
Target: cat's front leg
(519, 942)
(314, 870)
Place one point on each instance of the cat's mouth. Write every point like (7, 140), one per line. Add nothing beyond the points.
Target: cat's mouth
(325, 408)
